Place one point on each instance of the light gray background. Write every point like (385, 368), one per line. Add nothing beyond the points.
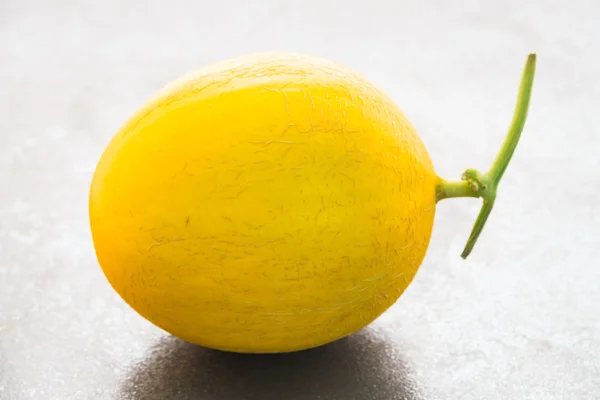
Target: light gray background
(519, 320)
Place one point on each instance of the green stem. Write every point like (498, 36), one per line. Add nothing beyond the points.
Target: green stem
(452, 189)
(475, 184)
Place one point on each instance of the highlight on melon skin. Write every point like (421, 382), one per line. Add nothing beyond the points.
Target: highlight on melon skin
(273, 202)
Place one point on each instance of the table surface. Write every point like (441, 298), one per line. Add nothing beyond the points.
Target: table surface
(520, 319)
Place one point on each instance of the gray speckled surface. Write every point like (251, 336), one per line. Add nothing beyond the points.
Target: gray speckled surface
(519, 320)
